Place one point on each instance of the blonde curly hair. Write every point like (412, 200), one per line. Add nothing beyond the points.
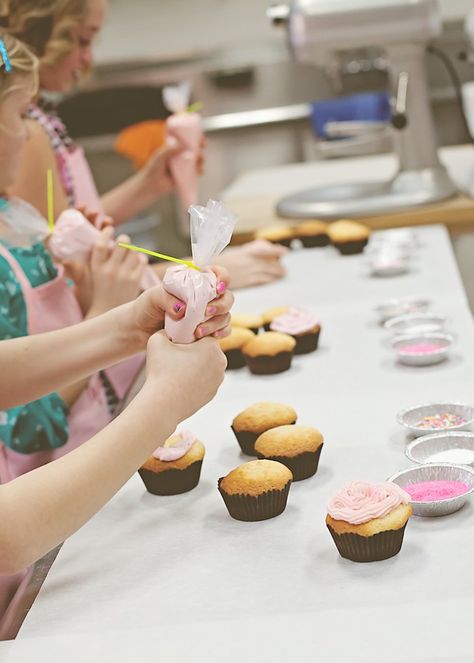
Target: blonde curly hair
(23, 63)
(44, 25)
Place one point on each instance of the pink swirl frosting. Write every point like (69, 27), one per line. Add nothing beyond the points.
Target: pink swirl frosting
(294, 321)
(177, 450)
(358, 502)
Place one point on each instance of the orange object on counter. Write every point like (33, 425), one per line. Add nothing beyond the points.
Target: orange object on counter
(139, 141)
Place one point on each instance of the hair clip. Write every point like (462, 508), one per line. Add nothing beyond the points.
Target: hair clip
(4, 56)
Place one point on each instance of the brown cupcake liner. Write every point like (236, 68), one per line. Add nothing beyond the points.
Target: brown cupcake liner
(235, 359)
(302, 466)
(268, 365)
(173, 481)
(306, 343)
(368, 548)
(247, 439)
(352, 247)
(314, 241)
(249, 508)
(285, 242)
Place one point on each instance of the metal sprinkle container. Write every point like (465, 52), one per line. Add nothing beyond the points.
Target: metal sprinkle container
(426, 448)
(411, 416)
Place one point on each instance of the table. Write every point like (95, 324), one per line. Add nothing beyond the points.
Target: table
(254, 194)
(151, 579)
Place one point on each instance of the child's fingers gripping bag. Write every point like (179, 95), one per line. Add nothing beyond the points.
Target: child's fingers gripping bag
(73, 238)
(186, 126)
(211, 231)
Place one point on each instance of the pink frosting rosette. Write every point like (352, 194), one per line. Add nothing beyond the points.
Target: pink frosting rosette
(73, 238)
(180, 448)
(294, 321)
(358, 502)
(211, 230)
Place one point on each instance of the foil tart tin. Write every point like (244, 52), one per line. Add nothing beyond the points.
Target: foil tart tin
(426, 448)
(422, 358)
(392, 308)
(416, 323)
(437, 472)
(409, 417)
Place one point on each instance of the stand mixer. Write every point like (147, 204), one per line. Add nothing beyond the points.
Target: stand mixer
(319, 31)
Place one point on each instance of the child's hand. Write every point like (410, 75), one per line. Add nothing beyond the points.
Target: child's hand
(194, 371)
(115, 273)
(255, 263)
(147, 313)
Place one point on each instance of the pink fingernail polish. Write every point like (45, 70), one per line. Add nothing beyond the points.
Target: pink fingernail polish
(211, 310)
(178, 307)
(221, 287)
(201, 332)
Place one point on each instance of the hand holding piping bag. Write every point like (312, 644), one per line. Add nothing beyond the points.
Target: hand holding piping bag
(186, 127)
(73, 238)
(211, 230)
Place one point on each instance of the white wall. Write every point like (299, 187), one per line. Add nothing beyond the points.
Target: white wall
(155, 28)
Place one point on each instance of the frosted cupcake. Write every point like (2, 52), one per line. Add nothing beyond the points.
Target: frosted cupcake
(304, 327)
(257, 490)
(270, 314)
(367, 520)
(175, 467)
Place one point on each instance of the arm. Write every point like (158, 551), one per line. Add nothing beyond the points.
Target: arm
(37, 156)
(59, 358)
(42, 508)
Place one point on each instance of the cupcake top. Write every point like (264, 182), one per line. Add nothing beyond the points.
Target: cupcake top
(358, 502)
(288, 441)
(315, 227)
(272, 313)
(274, 233)
(177, 452)
(238, 337)
(256, 477)
(270, 344)
(294, 321)
(347, 231)
(261, 416)
(247, 320)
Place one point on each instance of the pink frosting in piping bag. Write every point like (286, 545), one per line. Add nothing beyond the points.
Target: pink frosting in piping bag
(211, 231)
(73, 238)
(186, 127)
(358, 502)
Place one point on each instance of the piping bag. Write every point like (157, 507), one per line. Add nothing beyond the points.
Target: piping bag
(21, 225)
(186, 127)
(211, 231)
(73, 238)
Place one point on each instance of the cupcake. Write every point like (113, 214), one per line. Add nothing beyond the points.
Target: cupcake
(232, 346)
(367, 520)
(269, 353)
(257, 490)
(257, 419)
(349, 237)
(270, 314)
(175, 467)
(278, 234)
(297, 447)
(312, 233)
(247, 321)
(302, 326)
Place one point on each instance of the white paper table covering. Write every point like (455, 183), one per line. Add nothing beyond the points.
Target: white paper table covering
(178, 575)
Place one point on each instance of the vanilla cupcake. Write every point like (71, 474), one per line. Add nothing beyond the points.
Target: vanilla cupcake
(251, 321)
(257, 419)
(277, 234)
(349, 237)
(175, 467)
(297, 447)
(257, 490)
(312, 233)
(270, 314)
(367, 520)
(303, 326)
(268, 353)
(232, 346)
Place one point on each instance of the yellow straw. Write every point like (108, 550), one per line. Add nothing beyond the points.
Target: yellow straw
(188, 263)
(50, 200)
